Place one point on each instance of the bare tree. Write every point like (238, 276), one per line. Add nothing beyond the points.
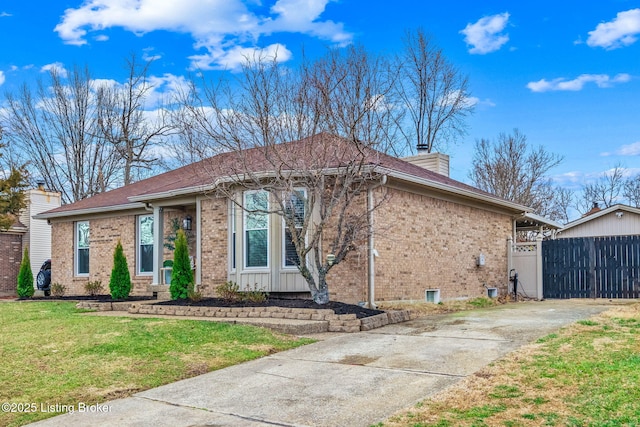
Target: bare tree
(317, 185)
(631, 191)
(434, 93)
(606, 190)
(56, 131)
(510, 169)
(123, 120)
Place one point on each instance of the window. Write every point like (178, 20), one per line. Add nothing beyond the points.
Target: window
(295, 210)
(82, 248)
(145, 244)
(232, 246)
(256, 229)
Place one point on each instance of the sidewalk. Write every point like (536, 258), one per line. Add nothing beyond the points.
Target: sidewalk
(347, 379)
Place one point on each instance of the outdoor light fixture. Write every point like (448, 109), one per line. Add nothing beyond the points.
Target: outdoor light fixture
(186, 223)
(330, 259)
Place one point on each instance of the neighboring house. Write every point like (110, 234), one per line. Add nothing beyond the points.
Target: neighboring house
(10, 258)
(433, 233)
(28, 232)
(616, 220)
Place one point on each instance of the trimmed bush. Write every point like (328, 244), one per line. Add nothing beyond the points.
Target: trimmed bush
(120, 282)
(93, 288)
(58, 290)
(25, 277)
(181, 276)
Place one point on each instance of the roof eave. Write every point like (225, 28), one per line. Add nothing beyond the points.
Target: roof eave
(513, 207)
(89, 211)
(603, 212)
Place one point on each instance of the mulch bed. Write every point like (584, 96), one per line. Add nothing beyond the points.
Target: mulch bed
(337, 307)
(96, 298)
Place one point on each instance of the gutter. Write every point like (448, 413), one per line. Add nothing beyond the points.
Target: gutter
(89, 211)
(371, 276)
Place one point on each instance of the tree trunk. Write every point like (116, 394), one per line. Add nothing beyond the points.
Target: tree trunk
(320, 296)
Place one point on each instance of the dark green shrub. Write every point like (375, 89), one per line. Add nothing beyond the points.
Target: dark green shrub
(182, 275)
(25, 277)
(93, 288)
(120, 282)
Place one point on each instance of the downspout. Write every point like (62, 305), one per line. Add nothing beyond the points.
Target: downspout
(371, 264)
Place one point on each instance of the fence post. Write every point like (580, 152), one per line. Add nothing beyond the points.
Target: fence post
(509, 260)
(539, 281)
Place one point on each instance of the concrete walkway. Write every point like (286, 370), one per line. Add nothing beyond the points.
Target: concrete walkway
(346, 379)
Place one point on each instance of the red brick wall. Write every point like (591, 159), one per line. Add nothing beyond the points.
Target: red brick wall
(428, 243)
(215, 246)
(104, 234)
(10, 259)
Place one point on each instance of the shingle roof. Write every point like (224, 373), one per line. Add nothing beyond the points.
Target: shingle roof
(322, 150)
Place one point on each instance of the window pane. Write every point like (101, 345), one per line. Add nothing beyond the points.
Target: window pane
(146, 230)
(83, 261)
(258, 203)
(294, 211)
(256, 242)
(82, 247)
(296, 208)
(146, 258)
(83, 235)
(290, 254)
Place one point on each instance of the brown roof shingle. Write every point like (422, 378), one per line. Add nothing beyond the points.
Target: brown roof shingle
(319, 151)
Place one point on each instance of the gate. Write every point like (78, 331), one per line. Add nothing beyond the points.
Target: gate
(591, 267)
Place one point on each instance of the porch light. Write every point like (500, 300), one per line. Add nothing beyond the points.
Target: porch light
(186, 223)
(330, 259)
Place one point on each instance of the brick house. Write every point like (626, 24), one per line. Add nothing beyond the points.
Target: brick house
(433, 236)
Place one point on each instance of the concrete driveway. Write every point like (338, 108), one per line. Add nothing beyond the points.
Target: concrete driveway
(346, 379)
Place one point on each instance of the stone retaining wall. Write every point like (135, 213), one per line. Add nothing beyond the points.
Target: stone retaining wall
(335, 322)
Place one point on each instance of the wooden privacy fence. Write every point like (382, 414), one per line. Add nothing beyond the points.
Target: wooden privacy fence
(591, 267)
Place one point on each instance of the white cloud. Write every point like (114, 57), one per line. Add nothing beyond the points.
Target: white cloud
(622, 31)
(562, 84)
(485, 36)
(233, 58)
(629, 150)
(5, 14)
(148, 55)
(225, 29)
(1, 78)
(58, 67)
(101, 38)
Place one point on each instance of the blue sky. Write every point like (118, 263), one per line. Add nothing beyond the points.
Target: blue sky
(565, 73)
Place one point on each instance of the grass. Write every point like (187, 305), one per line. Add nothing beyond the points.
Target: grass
(586, 374)
(52, 354)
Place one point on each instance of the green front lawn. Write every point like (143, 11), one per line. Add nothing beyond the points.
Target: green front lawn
(50, 353)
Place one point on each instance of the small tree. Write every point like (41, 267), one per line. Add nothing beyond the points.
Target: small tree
(120, 282)
(25, 277)
(181, 276)
(12, 196)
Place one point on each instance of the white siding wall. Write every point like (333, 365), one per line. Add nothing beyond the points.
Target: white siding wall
(38, 236)
(607, 225)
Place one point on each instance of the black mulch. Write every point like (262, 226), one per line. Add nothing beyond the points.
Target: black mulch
(337, 307)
